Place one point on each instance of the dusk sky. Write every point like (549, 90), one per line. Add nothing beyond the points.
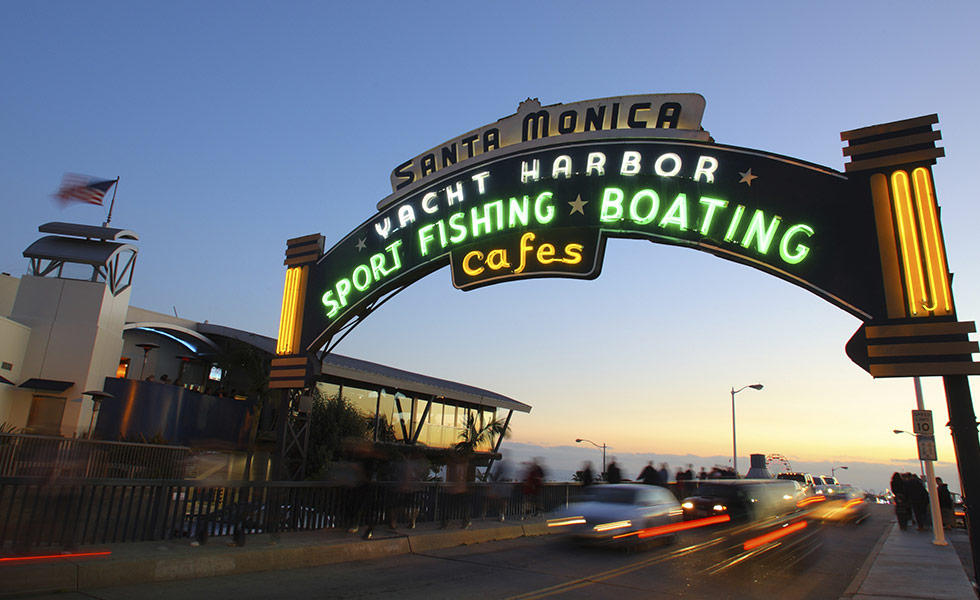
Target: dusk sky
(234, 126)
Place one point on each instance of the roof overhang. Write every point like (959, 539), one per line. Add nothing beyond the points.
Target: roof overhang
(46, 385)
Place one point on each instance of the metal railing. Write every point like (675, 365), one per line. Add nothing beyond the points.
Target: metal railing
(23, 455)
(67, 513)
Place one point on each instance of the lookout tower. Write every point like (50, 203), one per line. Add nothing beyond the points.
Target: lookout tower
(73, 304)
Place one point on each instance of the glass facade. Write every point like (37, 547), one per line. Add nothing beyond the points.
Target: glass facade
(443, 426)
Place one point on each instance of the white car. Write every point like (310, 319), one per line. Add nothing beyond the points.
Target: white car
(621, 512)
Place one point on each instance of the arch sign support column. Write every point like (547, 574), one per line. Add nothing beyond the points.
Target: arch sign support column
(538, 193)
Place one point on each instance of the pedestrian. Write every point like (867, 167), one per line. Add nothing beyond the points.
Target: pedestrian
(458, 468)
(902, 510)
(532, 487)
(918, 499)
(649, 475)
(585, 475)
(613, 474)
(945, 503)
(664, 473)
(499, 489)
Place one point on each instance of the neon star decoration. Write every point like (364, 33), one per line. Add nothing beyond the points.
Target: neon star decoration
(747, 177)
(361, 244)
(578, 205)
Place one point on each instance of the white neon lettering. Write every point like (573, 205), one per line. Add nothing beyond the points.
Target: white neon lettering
(532, 174)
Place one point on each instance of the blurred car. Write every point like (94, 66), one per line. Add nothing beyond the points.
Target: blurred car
(959, 512)
(805, 479)
(842, 504)
(624, 511)
(822, 484)
(743, 499)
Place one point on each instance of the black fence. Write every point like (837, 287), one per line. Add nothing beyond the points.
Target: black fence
(54, 457)
(38, 513)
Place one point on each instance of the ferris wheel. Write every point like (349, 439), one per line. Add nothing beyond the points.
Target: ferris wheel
(777, 463)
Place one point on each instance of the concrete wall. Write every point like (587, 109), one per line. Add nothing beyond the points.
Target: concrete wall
(14, 403)
(76, 335)
(8, 292)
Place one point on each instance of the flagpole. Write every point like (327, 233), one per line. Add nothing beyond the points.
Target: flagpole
(112, 202)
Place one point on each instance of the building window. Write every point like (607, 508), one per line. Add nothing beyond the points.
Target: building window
(45, 415)
(122, 371)
(365, 401)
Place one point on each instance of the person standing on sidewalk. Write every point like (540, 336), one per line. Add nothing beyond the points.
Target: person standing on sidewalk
(918, 499)
(902, 511)
(945, 503)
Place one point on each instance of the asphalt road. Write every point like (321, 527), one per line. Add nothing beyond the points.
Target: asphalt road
(548, 566)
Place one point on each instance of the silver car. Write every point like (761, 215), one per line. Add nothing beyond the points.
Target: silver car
(625, 511)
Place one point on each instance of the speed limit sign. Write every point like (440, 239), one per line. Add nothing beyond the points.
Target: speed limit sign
(922, 422)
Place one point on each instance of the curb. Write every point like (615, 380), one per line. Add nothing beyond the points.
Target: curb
(862, 573)
(68, 575)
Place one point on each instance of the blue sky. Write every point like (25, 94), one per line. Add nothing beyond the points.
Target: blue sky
(237, 125)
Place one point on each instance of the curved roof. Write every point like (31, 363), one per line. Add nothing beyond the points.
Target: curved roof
(88, 231)
(87, 252)
(355, 368)
(338, 365)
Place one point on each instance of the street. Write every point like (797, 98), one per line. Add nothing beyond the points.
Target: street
(549, 566)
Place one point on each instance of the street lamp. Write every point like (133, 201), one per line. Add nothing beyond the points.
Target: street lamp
(832, 469)
(146, 346)
(97, 397)
(922, 468)
(603, 447)
(754, 386)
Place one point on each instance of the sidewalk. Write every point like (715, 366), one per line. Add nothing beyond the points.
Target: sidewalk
(903, 565)
(148, 562)
(906, 565)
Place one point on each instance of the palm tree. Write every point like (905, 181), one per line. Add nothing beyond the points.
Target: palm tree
(474, 435)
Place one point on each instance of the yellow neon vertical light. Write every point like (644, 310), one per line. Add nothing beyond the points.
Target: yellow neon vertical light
(288, 341)
(932, 243)
(908, 235)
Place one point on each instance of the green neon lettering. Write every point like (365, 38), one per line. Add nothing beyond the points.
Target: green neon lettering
(733, 226)
(760, 232)
(362, 277)
(476, 223)
(801, 251)
(457, 225)
(710, 204)
(443, 242)
(378, 266)
(395, 256)
(497, 207)
(425, 236)
(333, 307)
(343, 288)
(677, 213)
(637, 201)
(519, 212)
(543, 201)
(612, 205)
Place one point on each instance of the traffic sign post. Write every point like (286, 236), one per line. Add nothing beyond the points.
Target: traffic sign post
(922, 422)
(927, 447)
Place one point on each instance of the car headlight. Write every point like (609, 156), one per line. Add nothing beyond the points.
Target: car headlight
(719, 508)
(687, 505)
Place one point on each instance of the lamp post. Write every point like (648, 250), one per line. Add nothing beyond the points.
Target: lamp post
(922, 468)
(603, 447)
(146, 346)
(754, 386)
(97, 397)
(832, 469)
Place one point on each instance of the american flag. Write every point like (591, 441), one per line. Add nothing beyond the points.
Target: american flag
(81, 188)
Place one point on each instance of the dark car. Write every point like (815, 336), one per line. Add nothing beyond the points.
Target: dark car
(742, 499)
